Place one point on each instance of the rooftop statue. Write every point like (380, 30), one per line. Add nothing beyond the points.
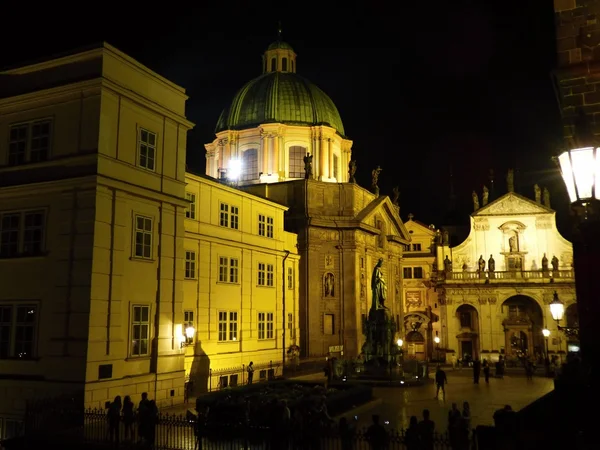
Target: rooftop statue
(308, 168)
(352, 171)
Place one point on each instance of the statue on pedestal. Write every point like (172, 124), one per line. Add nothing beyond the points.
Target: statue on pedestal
(378, 287)
(486, 195)
(475, 201)
(491, 264)
(554, 264)
(544, 263)
(352, 171)
(395, 195)
(481, 263)
(538, 193)
(546, 198)
(375, 179)
(308, 168)
(447, 264)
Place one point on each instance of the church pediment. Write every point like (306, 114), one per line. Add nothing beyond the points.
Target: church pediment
(512, 204)
(383, 207)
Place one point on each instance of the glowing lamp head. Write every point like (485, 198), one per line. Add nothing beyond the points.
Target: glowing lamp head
(546, 332)
(436, 340)
(190, 331)
(557, 308)
(235, 169)
(580, 169)
(399, 342)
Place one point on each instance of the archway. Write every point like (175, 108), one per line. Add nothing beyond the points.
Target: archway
(415, 345)
(468, 332)
(523, 322)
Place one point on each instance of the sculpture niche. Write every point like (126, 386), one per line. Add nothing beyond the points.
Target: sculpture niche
(380, 349)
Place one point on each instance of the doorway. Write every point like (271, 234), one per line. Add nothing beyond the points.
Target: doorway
(466, 348)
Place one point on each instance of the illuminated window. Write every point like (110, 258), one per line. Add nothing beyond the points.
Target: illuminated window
(29, 142)
(147, 149)
(143, 237)
(190, 265)
(17, 331)
(296, 168)
(140, 330)
(188, 318)
(249, 165)
(190, 211)
(228, 326)
(22, 233)
(336, 167)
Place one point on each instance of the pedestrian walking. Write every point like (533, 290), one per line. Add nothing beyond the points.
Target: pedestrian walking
(440, 381)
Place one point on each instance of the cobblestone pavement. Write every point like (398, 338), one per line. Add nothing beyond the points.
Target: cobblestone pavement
(398, 404)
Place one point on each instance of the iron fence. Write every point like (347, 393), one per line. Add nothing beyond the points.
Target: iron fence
(180, 432)
(238, 376)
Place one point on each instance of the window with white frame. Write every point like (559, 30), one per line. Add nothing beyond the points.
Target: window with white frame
(188, 318)
(140, 330)
(229, 216)
(296, 165)
(265, 226)
(265, 274)
(290, 278)
(228, 270)
(22, 233)
(29, 142)
(18, 324)
(270, 275)
(147, 149)
(190, 265)
(266, 328)
(228, 326)
(190, 211)
(143, 237)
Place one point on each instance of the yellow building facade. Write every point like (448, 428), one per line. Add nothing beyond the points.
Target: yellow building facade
(495, 288)
(240, 283)
(421, 307)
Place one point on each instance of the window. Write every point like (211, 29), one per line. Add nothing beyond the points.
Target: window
(290, 326)
(416, 247)
(412, 272)
(147, 149)
(265, 275)
(190, 211)
(265, 226)
(29, 142)
(407, 272)
(17, 331)
(228, 270)
(265, 326)
(143, 237)
(465, 320)
(290, 278)
(188, 318)
(228, 326)
(284, 62)
(273, 64)
(22, 233)
(190, 265)
(296, 168)
(250, 165)
(328, 324)
(229, 216)
(140, 330)
(417, 272)
(336, 166)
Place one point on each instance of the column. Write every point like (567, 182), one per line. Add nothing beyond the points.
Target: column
(227, 154)
(221, 158)
(330, 153)
(321, 158)
(275, 163)
(265, 154)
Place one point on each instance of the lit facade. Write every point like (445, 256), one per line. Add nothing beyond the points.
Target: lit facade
(421, 307)
(502, 312)
(92, 212)
(269, 127)
(240, 281)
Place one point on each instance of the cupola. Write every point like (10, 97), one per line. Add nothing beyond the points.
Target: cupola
(279, 57)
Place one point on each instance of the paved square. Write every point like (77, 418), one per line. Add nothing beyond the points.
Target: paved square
(398, 404)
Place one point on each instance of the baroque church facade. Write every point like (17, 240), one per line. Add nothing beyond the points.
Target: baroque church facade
(273, 123)
(494, 289)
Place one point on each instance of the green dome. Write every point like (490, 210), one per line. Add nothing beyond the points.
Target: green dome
(280, 97)
(280, 44)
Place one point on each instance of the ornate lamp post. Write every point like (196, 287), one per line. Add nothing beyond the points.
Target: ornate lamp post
(580, 169)
(437, 347)
(546, 333)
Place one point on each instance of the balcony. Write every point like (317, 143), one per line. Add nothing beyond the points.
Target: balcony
(510, 276)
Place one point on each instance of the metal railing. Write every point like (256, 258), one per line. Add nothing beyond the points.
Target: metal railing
(567, 275)
(179, 432)
(238, 376)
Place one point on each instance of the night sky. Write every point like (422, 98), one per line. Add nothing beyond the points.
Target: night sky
(423, 91)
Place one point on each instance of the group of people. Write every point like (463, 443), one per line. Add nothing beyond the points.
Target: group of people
(124, 411)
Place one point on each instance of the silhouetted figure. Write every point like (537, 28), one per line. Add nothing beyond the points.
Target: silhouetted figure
(376, 434)
(476, 370)
(250, 371)
(440, 381)
(411, 438)
(128, 417)
(505, 420)
(152, 422)
(114, 420)
(346, 432)
(454, 418)
(486, 370)
(143, 413)
(426, 430)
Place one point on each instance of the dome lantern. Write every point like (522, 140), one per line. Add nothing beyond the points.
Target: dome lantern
(279, 57)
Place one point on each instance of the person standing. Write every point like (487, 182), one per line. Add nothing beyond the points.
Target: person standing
(476, 370)
(440, 381)
(426, 431)
(250, 370)
(486, 371)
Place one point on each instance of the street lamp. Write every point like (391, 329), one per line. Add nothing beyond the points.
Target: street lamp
(546, 333)
(437, 349)
(557, 308)
(399, 342)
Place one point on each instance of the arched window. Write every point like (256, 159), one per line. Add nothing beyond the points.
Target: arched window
(284, 64)
(296, 168)
(273, 64)
(250, 165)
